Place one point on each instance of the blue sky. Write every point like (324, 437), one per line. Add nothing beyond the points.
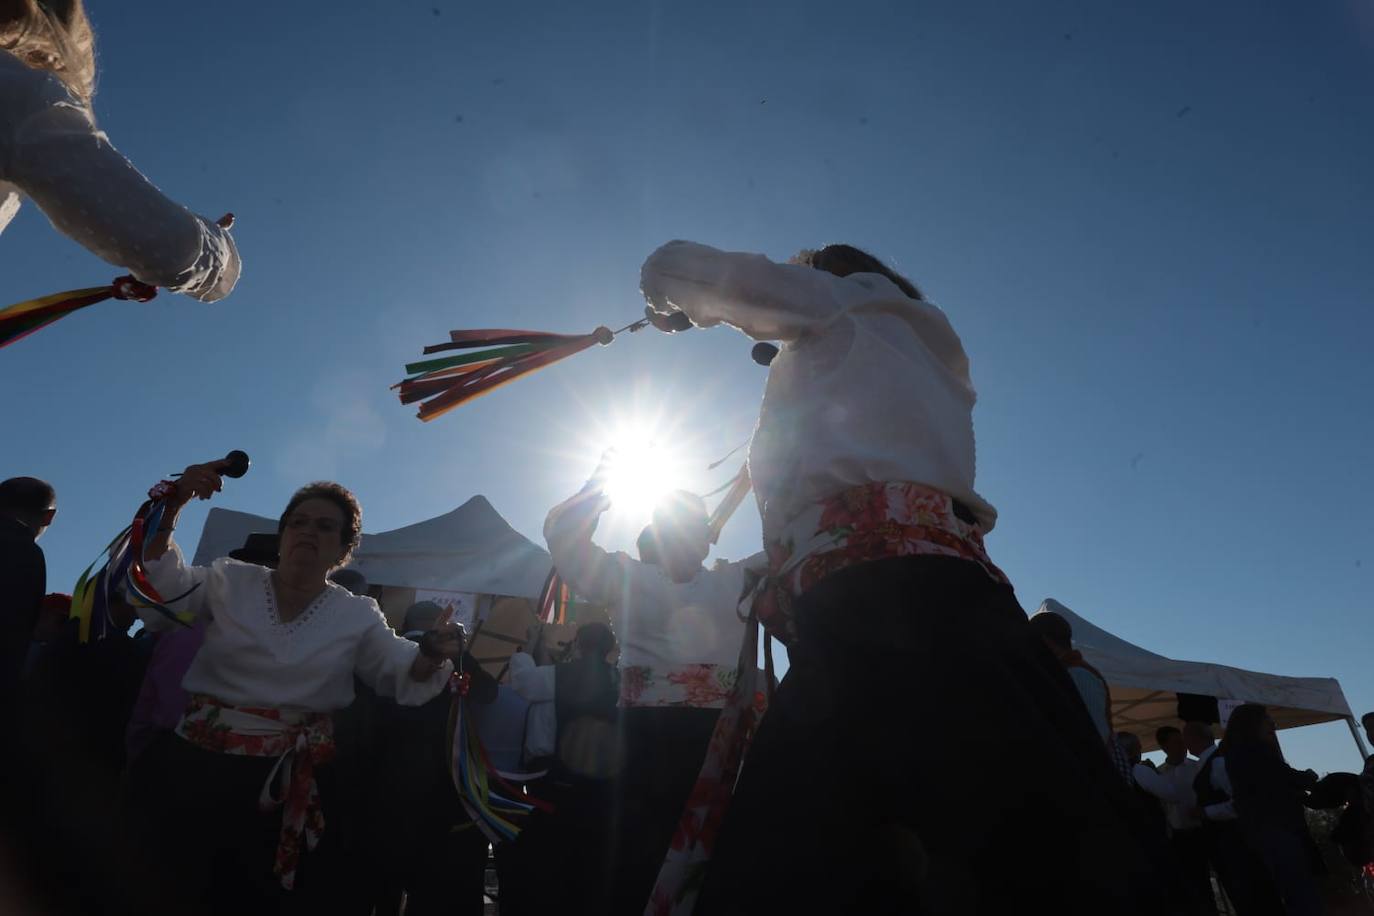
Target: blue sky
(1149, 223)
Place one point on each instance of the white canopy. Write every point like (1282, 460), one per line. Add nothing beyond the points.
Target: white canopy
(471, 549)
(1145, 686)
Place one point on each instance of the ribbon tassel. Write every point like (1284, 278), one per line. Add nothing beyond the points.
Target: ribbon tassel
(24, 318)
(123, 569)
(499, 356)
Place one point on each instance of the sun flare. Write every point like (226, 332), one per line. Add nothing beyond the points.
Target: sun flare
(639, 472)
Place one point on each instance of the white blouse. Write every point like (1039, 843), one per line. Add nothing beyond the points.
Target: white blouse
(661, 626)
(869, 386)
(51, 150)
(251, 658)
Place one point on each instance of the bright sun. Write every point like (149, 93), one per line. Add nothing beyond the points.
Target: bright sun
(639, 471)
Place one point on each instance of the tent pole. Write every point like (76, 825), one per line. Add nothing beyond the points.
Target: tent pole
(1359, 739)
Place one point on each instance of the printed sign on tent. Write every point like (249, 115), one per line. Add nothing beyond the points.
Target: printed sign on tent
(1226, 707)
(463, 605)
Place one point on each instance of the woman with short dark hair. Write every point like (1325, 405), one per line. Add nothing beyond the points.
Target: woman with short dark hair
(236, 792)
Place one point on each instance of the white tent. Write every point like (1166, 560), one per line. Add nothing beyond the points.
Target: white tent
(1145, 686)
(471, 549)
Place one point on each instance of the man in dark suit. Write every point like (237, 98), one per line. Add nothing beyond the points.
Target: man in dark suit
(27, 507)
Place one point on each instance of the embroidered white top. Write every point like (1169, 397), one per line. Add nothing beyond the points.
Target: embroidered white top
(679, 643)
(869, 386)
(251, 658)
(51, 150)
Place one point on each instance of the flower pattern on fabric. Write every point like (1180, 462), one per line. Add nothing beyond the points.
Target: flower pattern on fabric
(699, 686)
(869, 522)
(634, 680)
(861, 524)
(300, 742)
(689, 852)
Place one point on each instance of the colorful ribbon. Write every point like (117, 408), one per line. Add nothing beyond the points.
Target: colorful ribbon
(500, 355)
(737, 489)
(493, 804)
(124, 569)
(554, 600)
(24, 318)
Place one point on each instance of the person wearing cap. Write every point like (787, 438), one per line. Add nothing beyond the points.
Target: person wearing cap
(680, 640)
(246, 774)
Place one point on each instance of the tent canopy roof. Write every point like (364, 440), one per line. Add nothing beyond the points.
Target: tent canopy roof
(1145, 686)
(471, 549)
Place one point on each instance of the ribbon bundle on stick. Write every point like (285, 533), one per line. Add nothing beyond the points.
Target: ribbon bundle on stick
(499, 355)
(22, 319)
(494, 804)
(124, 571)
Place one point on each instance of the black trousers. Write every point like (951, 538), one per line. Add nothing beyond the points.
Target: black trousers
(1241, 872)
(1290, 859)
(664, 749)
(447, 874)
(561, 862)
(926, 754)
(1192, 851)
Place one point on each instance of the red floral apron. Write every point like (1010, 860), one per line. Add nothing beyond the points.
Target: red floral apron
(299, 741)
(865, 523)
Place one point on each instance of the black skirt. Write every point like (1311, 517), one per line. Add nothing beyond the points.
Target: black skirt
(926, 754)
(664, 749)
(195, 815)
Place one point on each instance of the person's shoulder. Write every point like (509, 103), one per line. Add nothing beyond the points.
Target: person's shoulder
(362, 608)
(240, 569)
(17, 550)
(344, 598)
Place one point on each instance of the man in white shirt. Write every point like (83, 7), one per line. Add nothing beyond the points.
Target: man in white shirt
(1185, 826)
(680, 640)
(1210, 776)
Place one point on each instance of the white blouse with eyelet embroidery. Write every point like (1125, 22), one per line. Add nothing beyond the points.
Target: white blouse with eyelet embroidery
(52, 152)
(252, 658)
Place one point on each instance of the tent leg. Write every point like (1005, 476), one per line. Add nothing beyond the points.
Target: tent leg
(1359, 739)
